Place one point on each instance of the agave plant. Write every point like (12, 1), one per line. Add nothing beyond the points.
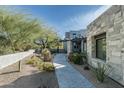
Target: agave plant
(101, 71)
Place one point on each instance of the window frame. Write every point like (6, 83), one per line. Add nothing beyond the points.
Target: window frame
(99, 37)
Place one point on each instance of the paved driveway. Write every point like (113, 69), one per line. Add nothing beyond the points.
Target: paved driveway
(67, 76)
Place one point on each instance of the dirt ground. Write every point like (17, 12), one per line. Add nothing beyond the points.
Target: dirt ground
(89, 74)
(29, 77)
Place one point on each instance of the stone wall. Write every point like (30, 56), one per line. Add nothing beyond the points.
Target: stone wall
(69, 47)
(110, 22)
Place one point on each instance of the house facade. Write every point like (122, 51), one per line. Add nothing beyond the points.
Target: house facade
(105, 42)
(75, 41)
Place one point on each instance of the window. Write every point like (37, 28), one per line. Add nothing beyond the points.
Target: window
(101, 47)
(74, 35)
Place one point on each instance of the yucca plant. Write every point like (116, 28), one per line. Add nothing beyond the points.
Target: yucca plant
(101, 71)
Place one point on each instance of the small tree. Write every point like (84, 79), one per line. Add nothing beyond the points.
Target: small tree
(21, 30)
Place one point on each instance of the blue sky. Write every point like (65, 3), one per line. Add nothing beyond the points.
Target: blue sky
(64, 18)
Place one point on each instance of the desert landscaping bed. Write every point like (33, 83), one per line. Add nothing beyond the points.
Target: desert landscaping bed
(89, 74)
(29, 77)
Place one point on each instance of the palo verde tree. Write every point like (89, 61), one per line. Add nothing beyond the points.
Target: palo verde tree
(18, 30)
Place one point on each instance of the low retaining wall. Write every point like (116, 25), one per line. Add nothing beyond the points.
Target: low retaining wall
(13, 59)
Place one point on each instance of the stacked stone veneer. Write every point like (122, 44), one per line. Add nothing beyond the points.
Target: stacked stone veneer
(110, 22)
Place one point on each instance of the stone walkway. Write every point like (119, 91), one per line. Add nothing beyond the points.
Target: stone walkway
(67, 76)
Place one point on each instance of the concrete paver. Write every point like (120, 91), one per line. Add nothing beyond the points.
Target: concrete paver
(67, 76)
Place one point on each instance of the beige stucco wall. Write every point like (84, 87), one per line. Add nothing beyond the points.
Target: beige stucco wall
(111, 22)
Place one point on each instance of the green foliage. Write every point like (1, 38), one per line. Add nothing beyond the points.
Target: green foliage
(19, 30)
(47, 66)
(101, 71)
(50, 41)
(76, 58)
(46, 55)
(45, 51)
(34, 61)
(27, 47)
(40, 66)
(37, 62)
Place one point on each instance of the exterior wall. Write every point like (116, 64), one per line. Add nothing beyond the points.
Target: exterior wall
(78, 34)
(69, 47)
(82, 46)
(65, 46)
(111, 22)
(69, 36)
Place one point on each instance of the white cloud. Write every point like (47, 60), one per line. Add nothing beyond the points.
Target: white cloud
(81, 21)
(78, 22)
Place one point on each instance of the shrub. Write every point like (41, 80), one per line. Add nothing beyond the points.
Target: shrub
(1, 52)
(101, 71)
(40, 66)
(48, 66)
(27, 47)
(46, 55)
(77, 58)
(33, 60)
